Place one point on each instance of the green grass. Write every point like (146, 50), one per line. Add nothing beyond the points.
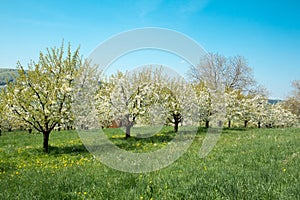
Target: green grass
(245, 164)
(141, 143)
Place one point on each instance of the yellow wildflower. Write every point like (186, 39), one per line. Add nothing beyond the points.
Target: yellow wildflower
(284, 170)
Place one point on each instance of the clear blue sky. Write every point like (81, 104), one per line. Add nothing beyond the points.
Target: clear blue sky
(266, 33)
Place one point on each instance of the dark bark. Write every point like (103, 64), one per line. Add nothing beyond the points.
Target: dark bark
(258, 125)
(206, 124)
(177, 118)
(128, 131)
(176, 126)
(128, 124)
(229, 124)
(220, 124)
(245, 123)
(46, 135)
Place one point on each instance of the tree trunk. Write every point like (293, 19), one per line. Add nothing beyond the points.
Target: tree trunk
(177, 119)
(206, 124)
(176, 126)
(46, 135)
(258, 124)
(245, 123)
(229, 123)
(128, 131)
(220, 123)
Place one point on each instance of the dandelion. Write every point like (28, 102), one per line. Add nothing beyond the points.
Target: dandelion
(85, 193)
(17, 173)
(284, 170)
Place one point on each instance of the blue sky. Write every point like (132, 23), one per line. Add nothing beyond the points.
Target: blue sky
(266, 33)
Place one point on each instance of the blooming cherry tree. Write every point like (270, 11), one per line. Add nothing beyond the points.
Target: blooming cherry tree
(41, 96)
(179, 101)
(126, 97)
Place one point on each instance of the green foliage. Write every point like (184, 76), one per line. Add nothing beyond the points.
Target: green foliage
(245, 164)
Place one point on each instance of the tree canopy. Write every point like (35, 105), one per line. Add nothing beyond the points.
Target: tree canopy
(41, 96)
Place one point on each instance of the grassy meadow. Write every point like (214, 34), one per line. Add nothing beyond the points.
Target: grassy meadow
(245, 164)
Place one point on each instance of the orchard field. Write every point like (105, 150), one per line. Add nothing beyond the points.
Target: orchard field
(244, 164)
(256, 157)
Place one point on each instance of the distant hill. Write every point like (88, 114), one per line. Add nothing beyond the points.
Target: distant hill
(7, 75)
(274, 101)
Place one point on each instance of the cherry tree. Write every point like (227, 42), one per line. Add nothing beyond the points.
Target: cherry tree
(41, 96)
(85, 91)
(232, 98)
(278, 116)
(204, 103)
(246, 110)
(8, 120)
(260, 104)
(211, 103)
(179, 100)
(127, 97)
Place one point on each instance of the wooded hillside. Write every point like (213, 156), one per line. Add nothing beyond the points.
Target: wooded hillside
(6, 75)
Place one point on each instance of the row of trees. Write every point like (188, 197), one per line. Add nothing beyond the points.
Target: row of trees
(245, 100)
(178, 97)
(62, 89)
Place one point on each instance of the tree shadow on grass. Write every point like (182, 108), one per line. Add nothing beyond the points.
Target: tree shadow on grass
(155, 141)
(160, 137)
(224, 130)
(234, 130)
(73, 149)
